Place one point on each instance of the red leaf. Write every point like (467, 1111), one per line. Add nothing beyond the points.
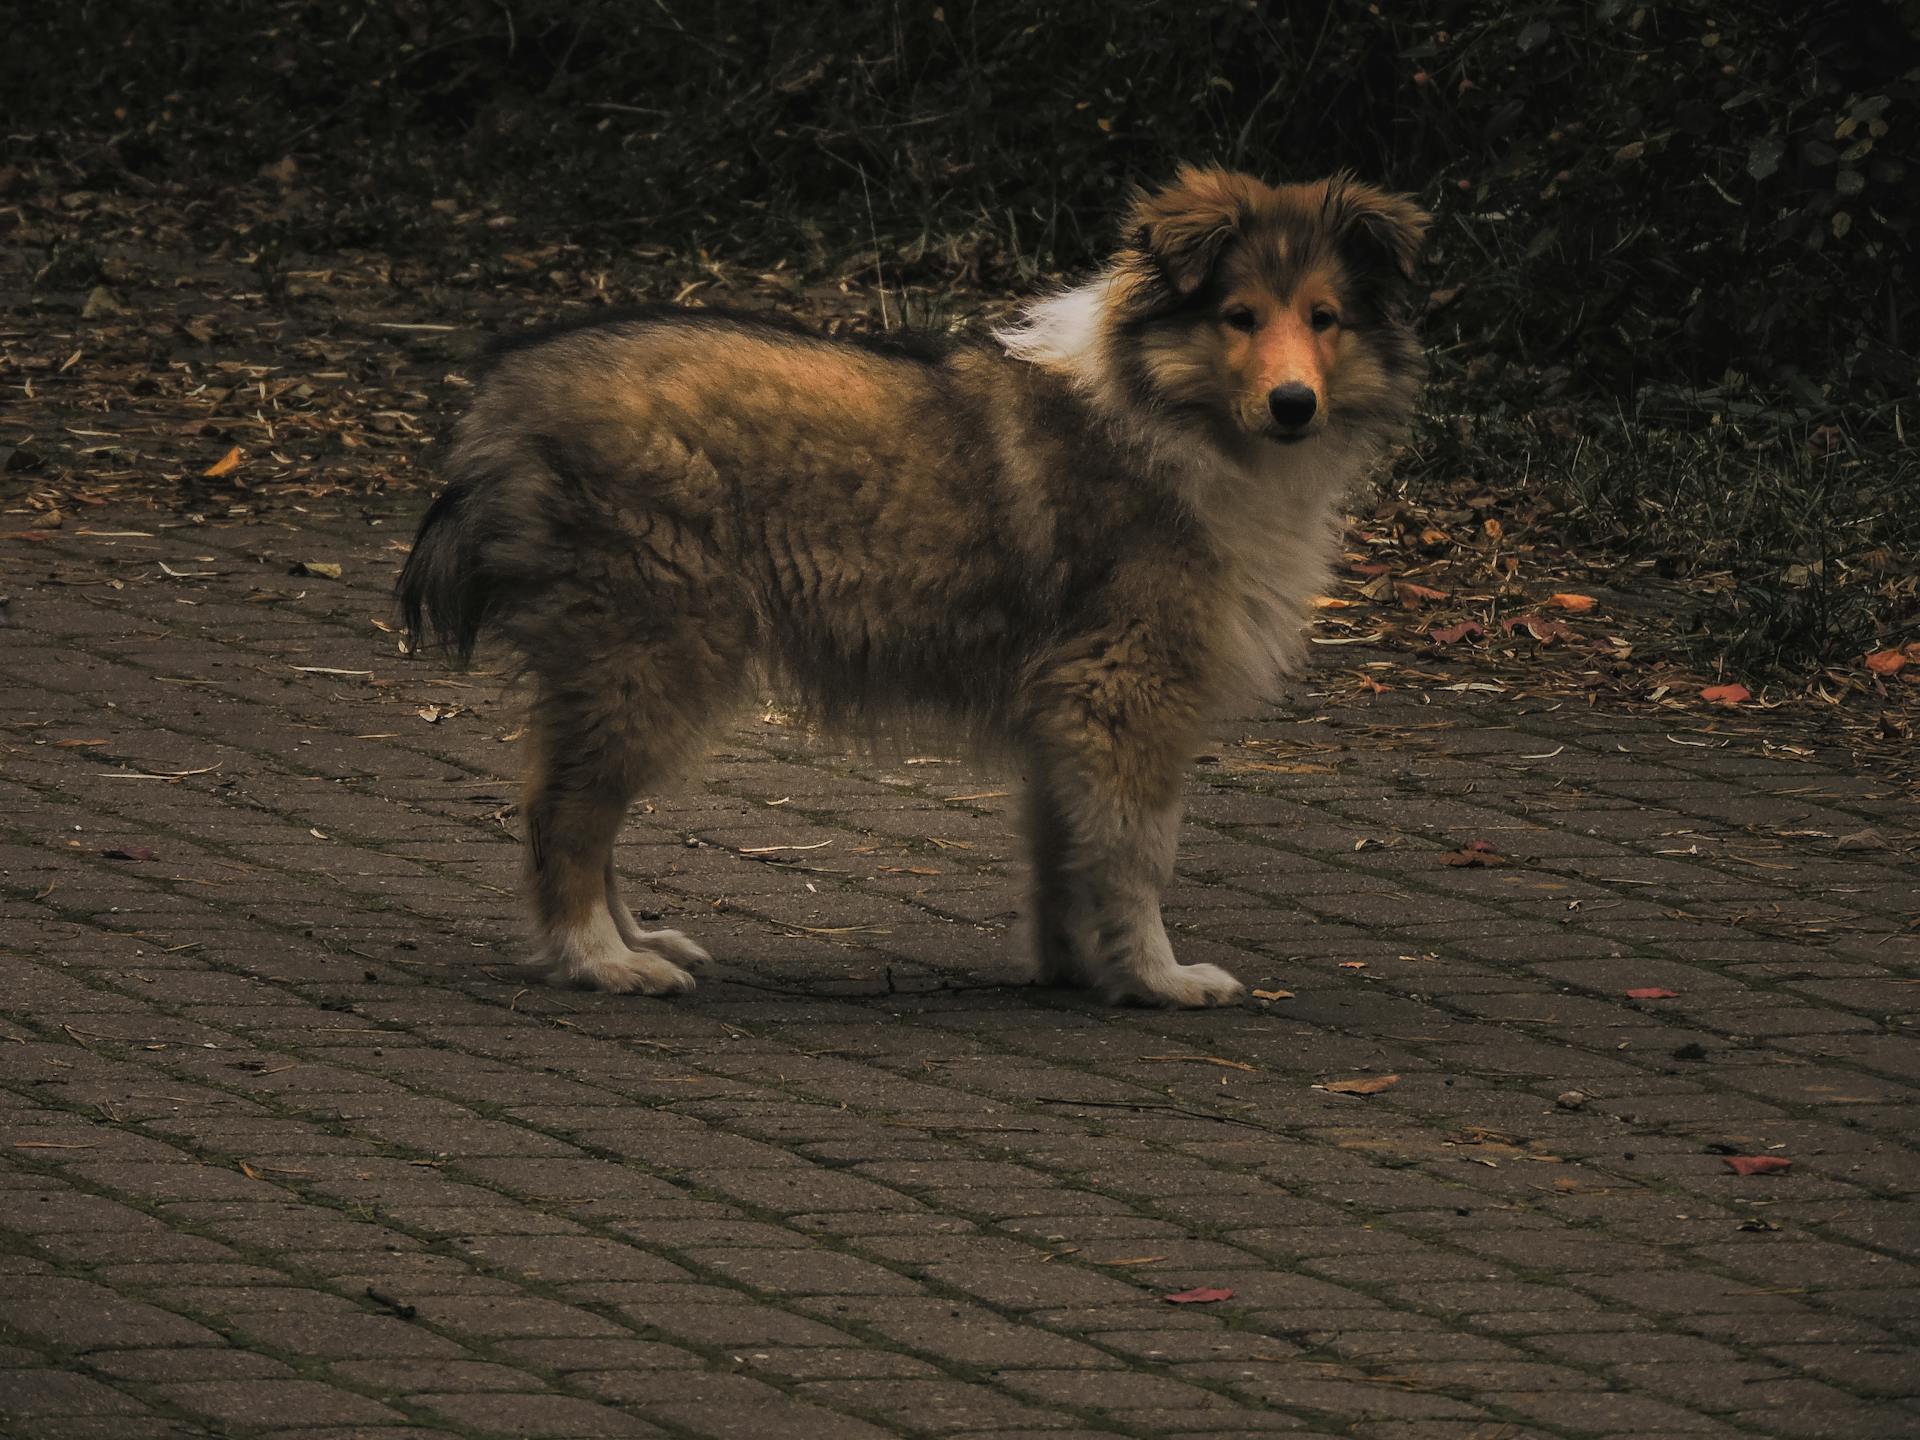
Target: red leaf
(1543, 628)
(1757, 1164)
(1412, 596)
(1476, 853)
(1653, 992)
(1370, 568)
(1886, 662)
(1200, 1296)
(1454, 634)
(129, 852)
(1726, 694)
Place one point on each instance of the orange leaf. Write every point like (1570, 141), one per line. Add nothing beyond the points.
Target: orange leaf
(226, 464)
(1757, 1164)
(1653, 992)
(1360, 1085)
(1579, 604)
(1726, 694)
(1887, 662)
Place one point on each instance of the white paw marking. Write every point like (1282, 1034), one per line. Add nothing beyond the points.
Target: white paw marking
(598, 959)
(1176, 986)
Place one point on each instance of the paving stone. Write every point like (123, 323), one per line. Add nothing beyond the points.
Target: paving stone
(267, 1403)
(534, 1416)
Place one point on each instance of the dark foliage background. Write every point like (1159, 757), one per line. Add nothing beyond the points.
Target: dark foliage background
(1671, 263)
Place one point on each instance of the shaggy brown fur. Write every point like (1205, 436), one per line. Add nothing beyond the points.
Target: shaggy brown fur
(1081, 545)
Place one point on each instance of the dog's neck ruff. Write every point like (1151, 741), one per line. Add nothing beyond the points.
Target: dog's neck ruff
(1065, 332)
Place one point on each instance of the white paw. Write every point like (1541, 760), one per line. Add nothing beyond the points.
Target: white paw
(1176, 986)
(647, 968)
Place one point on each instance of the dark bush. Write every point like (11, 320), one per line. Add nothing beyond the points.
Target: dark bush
(1627, 194)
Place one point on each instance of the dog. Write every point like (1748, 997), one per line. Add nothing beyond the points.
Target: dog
(1079, 541)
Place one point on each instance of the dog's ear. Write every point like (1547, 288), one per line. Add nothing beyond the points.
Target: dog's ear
(1183, 228)
(1378, 231)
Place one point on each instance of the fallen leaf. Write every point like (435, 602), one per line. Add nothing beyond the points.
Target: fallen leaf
(1273, 995)
(1454, 634)
(101, 304)
(1360, 1085)
(1887, 662)
(226, 464)
(1653, 992)
(1579, 604)
(325, 569)
(1726, 694)
(1868, 839)
(1412, 596)
(1353, 964)
(1543, 628)
(1476, 854)
(75, 744)
(129, 852)
(1757, 1164)
(1132, 1260)
(1203, 1295)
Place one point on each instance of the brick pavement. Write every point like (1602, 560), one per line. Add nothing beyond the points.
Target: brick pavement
(289, 1149)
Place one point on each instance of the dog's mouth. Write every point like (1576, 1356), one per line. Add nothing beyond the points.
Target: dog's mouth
(1291, 437)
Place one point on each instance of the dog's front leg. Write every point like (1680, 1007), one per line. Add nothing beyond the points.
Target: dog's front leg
(1104, 816)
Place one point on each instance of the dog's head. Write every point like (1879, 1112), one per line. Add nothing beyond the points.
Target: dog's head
(1281, 311)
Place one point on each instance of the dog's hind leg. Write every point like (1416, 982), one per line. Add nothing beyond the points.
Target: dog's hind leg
(624, 718)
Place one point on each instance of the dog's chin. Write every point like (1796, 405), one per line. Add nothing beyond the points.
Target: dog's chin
(1290, 439)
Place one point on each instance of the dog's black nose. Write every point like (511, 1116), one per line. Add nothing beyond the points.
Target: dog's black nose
(1292, 405)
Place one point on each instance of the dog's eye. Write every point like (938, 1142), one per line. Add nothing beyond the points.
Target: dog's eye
(1241, 318)
(1324, 318)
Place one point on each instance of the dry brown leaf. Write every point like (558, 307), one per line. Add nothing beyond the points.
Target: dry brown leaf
(1579, 604)
(1476, 854)
(1360, 1085)
(226, 464)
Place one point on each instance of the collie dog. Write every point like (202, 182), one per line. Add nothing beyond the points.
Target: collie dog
(1079, 543)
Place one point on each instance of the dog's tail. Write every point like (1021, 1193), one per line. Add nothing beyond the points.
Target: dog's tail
(445, 590)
